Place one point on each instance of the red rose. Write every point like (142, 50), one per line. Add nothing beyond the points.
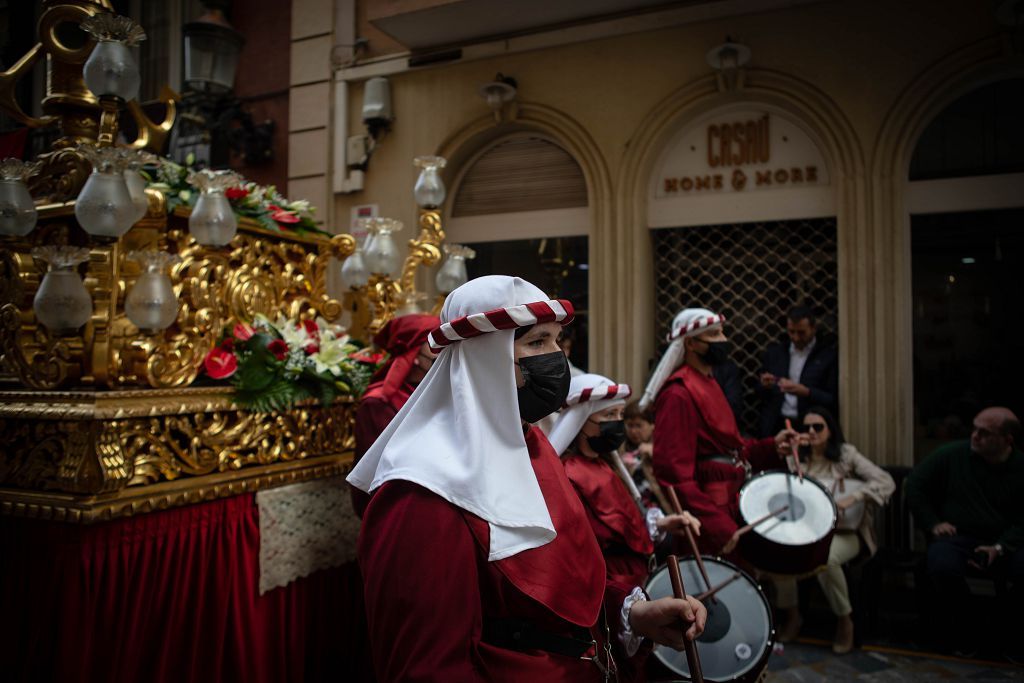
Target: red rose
(311, 347)
(278, 348)
(282, 216)
(234, 193)
(220, 363)
(312, 329)
(228, 344)
(243, 332)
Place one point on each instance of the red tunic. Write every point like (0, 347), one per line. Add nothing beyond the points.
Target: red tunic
(429, 587)
(620, 529)
(693, 420)
(372, 418)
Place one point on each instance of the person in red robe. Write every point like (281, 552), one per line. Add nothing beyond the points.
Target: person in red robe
(409, 358)
(587, 434)
(698, 450)
(477, 560)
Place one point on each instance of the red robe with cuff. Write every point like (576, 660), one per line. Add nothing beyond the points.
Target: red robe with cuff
(375, 413)
(429, 587)
(692, 420)
(620, 528)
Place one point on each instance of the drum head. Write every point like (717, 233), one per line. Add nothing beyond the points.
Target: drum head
(738, 636)
(811, 514)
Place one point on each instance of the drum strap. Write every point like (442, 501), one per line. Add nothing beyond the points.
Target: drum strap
(519, 634)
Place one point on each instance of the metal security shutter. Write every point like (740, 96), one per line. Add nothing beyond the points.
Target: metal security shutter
(520, 174)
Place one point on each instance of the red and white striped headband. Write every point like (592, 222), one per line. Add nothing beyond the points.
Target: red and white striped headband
(696, 325)
(469, 326)
(608, 391)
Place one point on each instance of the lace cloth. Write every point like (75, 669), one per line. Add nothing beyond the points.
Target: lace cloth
(304, 527)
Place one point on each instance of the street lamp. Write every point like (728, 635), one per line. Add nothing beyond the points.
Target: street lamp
(212, 47)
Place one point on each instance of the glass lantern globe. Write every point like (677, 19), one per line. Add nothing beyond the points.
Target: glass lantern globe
(62, 303)
(111, 69)
(17, 210)
(452, 273)
(429, 190)
(104, 207)
(212, 47)
(354, 273)
(382, 256)
(213, 222)
(151, 304)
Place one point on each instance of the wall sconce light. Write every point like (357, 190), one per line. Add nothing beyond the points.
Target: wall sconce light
(377, 116)
(727, 59)
(498, 92)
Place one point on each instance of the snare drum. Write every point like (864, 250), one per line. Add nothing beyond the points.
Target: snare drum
(795, 542)
(738, 636)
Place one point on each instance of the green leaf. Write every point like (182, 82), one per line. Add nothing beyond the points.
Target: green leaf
(279, 395)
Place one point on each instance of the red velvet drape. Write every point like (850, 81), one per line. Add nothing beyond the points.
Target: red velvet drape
(170, 596)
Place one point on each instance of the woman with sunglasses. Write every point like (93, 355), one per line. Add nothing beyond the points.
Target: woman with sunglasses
(853, 480)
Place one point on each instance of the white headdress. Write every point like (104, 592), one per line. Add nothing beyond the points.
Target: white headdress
(459, 435)
(588, 394)
(689, 322)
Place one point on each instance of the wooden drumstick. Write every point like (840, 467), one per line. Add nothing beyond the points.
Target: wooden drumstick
(774, 513)
(679, 591)
(710, 593)
(796, 454)
(693, 542)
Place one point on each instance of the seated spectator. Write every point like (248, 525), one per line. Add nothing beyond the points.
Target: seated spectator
(968, 496)
(857, 485)
(800, 371)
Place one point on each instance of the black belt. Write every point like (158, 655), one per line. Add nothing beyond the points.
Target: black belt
(519, 634)
(720, 458)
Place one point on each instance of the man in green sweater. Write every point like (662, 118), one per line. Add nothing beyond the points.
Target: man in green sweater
(968, 497)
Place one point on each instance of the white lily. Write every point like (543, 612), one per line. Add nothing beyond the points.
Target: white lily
(330, 356)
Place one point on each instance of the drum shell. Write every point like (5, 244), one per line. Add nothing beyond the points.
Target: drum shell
(785, 558)
(658, 667)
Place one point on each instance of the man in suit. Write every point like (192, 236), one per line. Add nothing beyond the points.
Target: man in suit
(797, 373)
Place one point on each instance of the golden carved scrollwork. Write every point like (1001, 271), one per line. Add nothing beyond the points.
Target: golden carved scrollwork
(106, 444)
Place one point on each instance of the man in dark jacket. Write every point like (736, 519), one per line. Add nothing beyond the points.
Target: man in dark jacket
(797, 373)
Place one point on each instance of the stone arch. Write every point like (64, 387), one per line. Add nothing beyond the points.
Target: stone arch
(632, 342)
(930, 92)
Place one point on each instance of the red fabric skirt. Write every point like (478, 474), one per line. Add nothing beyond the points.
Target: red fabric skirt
(169, 596)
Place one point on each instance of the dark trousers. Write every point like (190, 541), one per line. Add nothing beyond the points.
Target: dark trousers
(959, 621)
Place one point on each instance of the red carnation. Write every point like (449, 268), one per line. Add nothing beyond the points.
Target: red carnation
(220, 363)
(278, 348)
(243, 332)
(235, 193)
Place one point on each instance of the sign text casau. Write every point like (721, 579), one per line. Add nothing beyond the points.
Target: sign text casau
(740, 151)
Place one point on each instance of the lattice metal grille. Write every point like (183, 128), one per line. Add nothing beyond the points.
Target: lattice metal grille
(753, 273)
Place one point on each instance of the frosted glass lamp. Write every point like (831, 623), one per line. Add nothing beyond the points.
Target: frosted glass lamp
(429, 190)
(213, 222)
(452, 273)
(17, 210)
(104, 207)
(111, 70)
(151, 304)
(62, 303)
(382, 257)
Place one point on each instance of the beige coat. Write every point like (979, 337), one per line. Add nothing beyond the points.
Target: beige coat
(879, 485)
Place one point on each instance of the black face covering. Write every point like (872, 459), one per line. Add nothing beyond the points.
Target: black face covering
(547, 384)
(717, 353)
(613, 435)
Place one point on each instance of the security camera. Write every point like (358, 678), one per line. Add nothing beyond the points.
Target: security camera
(377, 115)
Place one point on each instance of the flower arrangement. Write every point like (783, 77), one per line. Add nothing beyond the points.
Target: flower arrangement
(275, 364)
(262, 203)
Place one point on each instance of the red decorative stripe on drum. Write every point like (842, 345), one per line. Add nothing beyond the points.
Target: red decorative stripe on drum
(606, 392)
(525, 315)
(698, 324)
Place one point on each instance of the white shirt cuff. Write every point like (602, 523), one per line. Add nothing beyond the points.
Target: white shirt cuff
(629, 640)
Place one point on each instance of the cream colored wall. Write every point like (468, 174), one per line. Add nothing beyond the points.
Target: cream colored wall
(844, 67)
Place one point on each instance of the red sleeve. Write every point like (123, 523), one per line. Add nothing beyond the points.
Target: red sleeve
(761, 454)
(606, 536)
(419, 563)
(372, 418)
(676, 424)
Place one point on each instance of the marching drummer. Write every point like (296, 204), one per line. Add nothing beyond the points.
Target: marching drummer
(698, 450)
(587, 434)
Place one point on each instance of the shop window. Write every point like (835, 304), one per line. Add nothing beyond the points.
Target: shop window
(752, 273)
(968, 329)
(978, 134)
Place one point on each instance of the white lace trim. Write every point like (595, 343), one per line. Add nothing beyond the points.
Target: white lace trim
(629, 640)
(653, 515)
(304, 528)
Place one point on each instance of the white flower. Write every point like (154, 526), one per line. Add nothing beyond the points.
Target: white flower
(331, 355)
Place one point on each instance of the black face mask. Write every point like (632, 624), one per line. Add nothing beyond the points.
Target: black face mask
(717, 353)
(546, 384)
(613, 435)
